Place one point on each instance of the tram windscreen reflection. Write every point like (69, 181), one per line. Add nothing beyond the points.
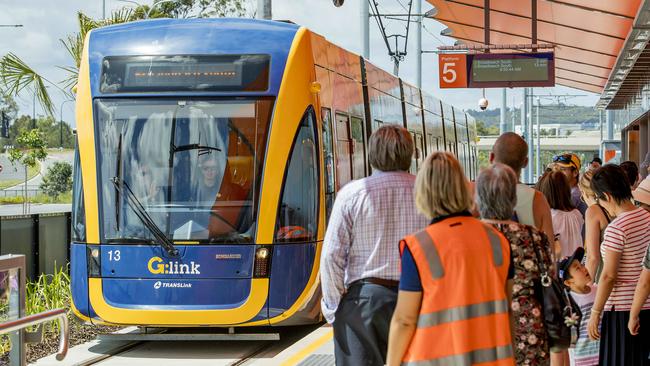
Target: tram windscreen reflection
(192, 166)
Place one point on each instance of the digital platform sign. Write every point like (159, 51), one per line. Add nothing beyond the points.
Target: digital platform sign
(497, 70)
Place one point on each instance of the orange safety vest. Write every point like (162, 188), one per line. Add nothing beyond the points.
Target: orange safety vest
(463, 266)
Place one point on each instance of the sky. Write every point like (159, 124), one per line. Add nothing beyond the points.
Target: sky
(45, 22)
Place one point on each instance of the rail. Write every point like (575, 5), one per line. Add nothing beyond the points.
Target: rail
(36, 319)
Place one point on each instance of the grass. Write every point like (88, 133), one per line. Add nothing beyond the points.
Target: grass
(39, 198)
(48, 292)
(31, 173)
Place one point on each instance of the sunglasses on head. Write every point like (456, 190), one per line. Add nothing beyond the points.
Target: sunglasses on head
(562, 159)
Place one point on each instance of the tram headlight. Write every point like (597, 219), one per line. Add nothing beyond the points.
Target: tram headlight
(93, 261)
(262, 262)
(262, 253)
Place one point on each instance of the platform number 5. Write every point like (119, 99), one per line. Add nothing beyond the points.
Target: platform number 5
(452, 70)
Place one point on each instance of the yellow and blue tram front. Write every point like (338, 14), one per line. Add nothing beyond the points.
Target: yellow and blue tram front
(197, 192)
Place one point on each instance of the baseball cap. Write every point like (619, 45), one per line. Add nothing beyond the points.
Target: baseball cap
(567, 160)
(642, 192)
(564, 264)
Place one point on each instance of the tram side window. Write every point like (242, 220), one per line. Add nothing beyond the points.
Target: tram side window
(359, 153)
(328, 157)
(79, 213)
(298, 212)
(414, 164)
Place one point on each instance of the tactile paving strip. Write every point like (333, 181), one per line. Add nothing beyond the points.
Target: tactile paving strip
(318, 360)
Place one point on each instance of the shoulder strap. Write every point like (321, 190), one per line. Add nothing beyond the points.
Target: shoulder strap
(540, 260)
(606, 214)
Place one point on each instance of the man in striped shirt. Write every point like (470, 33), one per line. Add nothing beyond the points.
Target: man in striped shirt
(625, 242)
(360, 258)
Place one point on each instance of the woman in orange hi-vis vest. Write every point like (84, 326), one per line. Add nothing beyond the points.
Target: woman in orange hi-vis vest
(453, 303)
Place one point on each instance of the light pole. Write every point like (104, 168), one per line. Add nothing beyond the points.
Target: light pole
(61, 121)
(34, 109)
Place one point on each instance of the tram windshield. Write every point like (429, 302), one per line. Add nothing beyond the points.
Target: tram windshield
(190, 168)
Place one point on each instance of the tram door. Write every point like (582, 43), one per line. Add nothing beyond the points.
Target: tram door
(343, 150)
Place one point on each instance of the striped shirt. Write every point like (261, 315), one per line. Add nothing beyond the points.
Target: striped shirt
(586, 351)
(368, 219)
(628, 234)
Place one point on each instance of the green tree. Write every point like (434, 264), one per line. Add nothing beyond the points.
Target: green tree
(58, 179)
(30, 150)
(483, 130)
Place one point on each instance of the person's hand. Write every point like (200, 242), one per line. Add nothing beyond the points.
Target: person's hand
(592, 327)
(633, 325)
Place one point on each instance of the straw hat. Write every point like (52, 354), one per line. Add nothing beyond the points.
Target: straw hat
(642, 192)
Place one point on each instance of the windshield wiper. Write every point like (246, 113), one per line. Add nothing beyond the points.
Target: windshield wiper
(123, 188)
(196, 147)
(129, 240)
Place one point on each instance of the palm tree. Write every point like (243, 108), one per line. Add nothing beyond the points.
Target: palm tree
(16, 75)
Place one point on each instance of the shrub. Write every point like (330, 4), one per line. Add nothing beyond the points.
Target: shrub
(58, 179)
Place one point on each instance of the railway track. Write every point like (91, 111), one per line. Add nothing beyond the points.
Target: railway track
(234, 352)
(120, 356)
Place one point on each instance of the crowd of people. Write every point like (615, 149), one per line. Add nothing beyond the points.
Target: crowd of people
(436, 270)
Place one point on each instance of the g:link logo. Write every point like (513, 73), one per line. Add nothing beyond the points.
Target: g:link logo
(156, 266)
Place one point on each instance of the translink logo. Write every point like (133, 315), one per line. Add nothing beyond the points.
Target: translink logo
(156, 265)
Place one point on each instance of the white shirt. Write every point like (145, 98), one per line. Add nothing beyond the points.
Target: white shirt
(369, 218)
(568, 224)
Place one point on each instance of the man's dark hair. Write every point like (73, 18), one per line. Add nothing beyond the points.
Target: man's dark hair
(597, 160)
(631, 171)
(555, 187)
(607, 179)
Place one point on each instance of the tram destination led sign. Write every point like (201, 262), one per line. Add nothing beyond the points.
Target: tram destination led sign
(185, 73)
(497, 70)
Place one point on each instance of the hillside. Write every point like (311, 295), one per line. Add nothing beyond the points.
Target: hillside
(557, 114)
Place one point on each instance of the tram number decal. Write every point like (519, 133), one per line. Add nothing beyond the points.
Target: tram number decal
(114, 255)
(452, 70)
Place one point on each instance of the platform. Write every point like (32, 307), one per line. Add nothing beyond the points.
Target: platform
(298, 346)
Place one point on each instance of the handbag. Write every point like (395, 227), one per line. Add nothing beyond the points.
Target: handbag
(562, 315)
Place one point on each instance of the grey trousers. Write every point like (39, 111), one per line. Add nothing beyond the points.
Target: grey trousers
(361, 325)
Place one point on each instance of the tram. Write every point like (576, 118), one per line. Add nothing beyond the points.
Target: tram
(209, 155)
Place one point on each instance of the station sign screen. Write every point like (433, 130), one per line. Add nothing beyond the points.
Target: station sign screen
(497, 70)
(511, 70)
(185, 73)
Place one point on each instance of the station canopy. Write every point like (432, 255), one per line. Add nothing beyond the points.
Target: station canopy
(597, 43)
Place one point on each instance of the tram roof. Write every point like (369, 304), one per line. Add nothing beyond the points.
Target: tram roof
(205, 36)
(592, 38)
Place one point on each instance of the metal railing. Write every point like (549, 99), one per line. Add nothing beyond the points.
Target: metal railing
(39, 319)
(12, 298)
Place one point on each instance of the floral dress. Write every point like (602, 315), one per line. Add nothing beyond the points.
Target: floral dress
(529, 336)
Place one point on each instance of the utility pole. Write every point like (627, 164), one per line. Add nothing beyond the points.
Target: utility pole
(103, 9)
(264, 9)
(524, 128)
(531, 141)
(364, 14)
(502, 122)
(418, 42)
(537, 156)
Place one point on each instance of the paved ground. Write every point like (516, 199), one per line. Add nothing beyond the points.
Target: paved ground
(296, 345)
